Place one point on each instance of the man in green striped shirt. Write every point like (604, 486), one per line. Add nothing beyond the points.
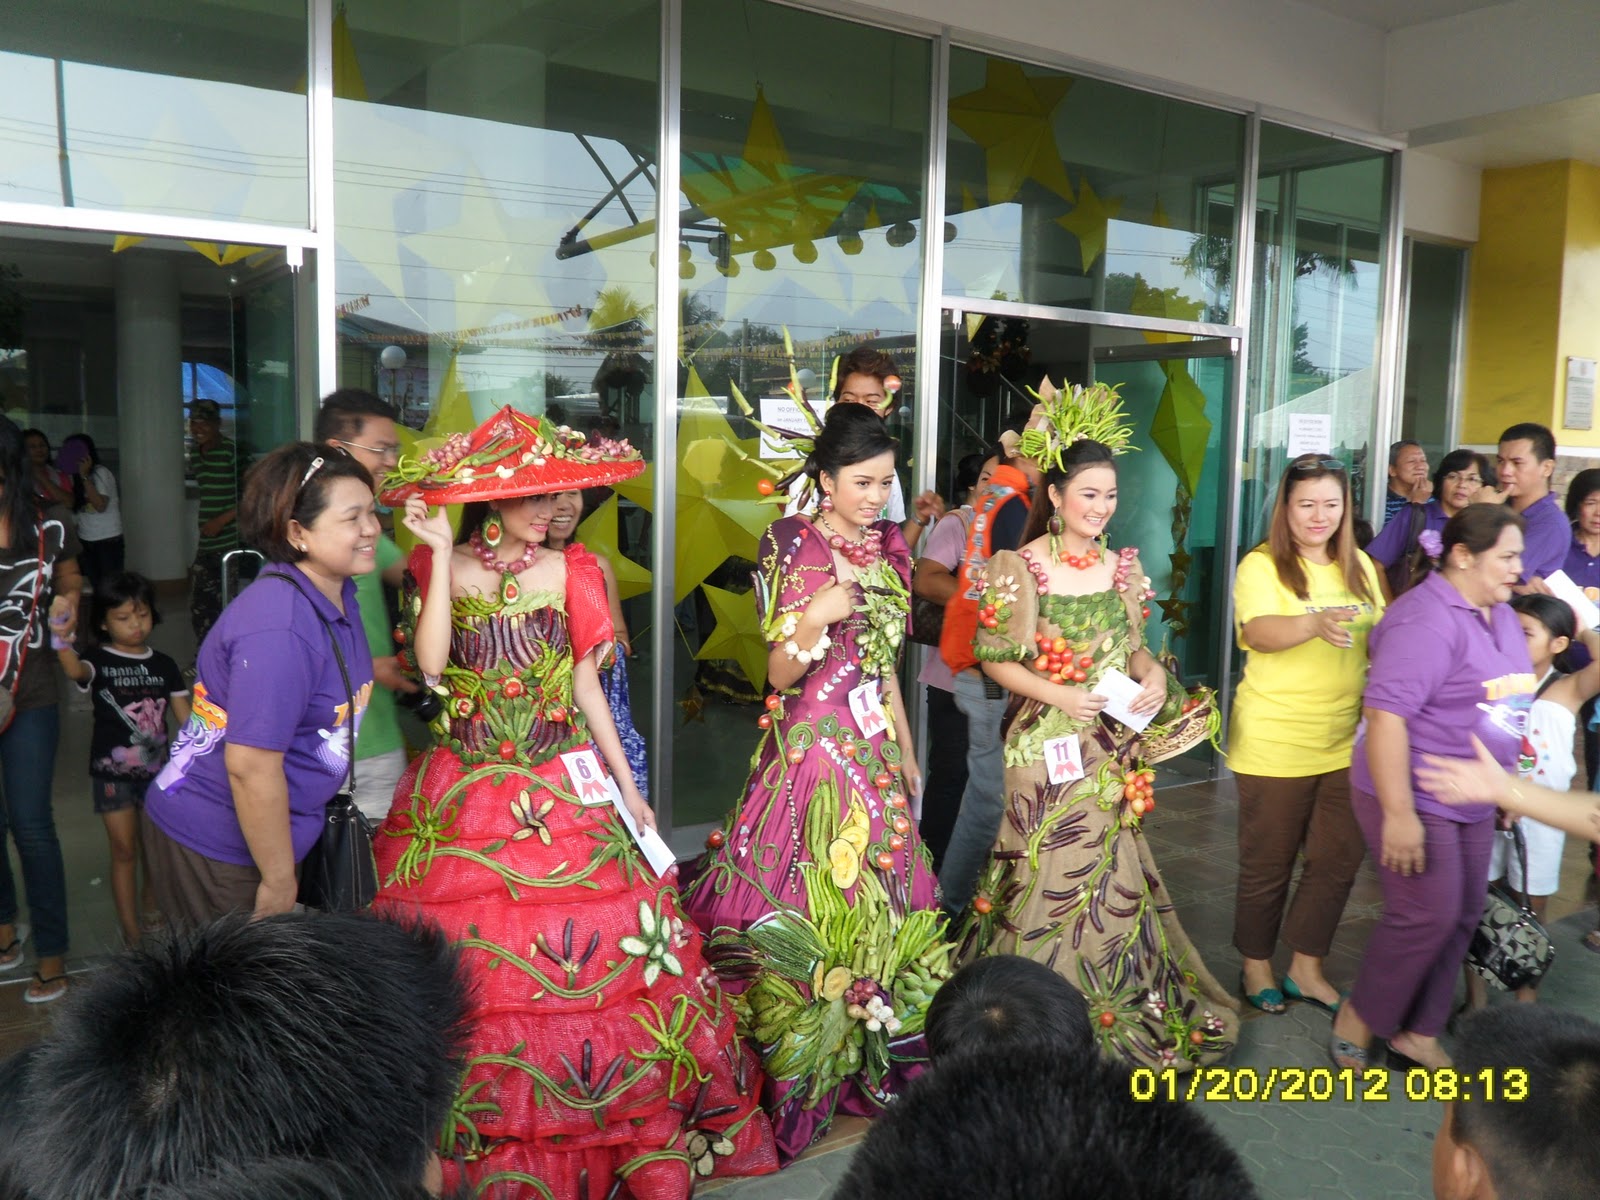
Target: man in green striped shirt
(215, 463)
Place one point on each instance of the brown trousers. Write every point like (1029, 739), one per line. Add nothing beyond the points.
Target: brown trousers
(1276, 818)
(191, 889)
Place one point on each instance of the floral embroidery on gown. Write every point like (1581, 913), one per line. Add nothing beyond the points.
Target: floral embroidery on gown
(604, 1060)
(818, 894)
(1072, 882)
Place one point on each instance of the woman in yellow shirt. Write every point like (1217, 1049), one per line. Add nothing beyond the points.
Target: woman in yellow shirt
(1303, 602)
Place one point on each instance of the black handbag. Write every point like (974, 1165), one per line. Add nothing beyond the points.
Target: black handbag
(339, 872)
(1511, 948)
(927, 616)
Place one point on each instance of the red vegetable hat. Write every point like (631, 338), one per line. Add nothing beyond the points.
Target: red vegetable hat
(511, 454)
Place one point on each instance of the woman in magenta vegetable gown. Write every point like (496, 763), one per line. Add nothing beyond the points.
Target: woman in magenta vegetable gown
(817, 890)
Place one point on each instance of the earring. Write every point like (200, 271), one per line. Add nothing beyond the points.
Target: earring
(827, 502)
(1056, 525)
(493, 530)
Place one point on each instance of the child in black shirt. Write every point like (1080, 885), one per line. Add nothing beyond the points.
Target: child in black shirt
(134, 690)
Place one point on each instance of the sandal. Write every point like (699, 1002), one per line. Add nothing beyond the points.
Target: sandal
(32, 997)
(1591, 941)
(1347, 1056)
(1291, 989)
(1268, 999)
(11, 955)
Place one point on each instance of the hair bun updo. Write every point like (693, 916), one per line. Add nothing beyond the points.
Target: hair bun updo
(851, 434)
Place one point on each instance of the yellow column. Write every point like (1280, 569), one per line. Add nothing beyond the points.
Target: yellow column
(1579, 334)
(1514, 301)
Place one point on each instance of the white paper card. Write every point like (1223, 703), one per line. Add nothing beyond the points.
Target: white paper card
(656, 852)
(588, 780)
(783, 412)
(1120, 692)
(1310, 433)
(1064, 758)
(866, 706)
(1565, 589)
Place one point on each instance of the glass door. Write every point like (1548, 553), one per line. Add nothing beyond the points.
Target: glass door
(1176, 389)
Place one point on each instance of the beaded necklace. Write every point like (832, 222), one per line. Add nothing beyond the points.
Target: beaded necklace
(858, 554)
(1081, 562)
(509, 590)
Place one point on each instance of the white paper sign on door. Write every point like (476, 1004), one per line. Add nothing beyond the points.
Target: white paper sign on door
(583, 768)
(783, 412)
(1064, 758)
(866, 705)
(1310, 433)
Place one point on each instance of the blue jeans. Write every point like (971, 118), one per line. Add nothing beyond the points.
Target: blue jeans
(983, 802)
(27, 767)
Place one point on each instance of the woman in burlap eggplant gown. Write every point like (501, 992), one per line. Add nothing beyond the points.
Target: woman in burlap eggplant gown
(1072, 882)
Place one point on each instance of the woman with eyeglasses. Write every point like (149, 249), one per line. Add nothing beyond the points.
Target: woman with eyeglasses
(1461, 474)
(1304, 601)
(359, 424)
(241, 800)
(1450, 662)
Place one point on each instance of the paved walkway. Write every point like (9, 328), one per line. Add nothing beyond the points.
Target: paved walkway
(1332, 1149)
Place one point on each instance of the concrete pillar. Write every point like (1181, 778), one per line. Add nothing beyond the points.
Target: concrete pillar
(1533, 299)
(150, 414)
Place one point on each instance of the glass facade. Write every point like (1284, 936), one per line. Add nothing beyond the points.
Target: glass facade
(192, 108)
(1437, 278)
(496, 208)
(495, 235)
(1316, 310)
(1077, 193)
(801, 214)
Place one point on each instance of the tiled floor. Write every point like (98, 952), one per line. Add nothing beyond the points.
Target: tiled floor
(1293, 1150)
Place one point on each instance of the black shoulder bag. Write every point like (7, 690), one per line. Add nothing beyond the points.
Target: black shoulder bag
(1403, 571)
(339, 872)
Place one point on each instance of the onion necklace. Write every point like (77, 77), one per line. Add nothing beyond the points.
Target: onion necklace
(510, 590)
(860, 554)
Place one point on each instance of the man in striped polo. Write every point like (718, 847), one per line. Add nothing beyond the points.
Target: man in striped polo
(215, 463)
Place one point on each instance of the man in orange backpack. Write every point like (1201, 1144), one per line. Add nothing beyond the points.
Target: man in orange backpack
(1000, 515)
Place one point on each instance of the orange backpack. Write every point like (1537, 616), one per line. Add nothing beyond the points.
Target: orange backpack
(961, 613)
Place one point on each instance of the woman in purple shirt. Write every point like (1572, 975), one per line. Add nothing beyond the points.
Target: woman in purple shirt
(1448, 661)
(1460, 475)
(241, 800)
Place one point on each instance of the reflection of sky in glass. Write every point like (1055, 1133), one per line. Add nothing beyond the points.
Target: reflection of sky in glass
(1341, 318)
(450, 223)
(154, 143)
(981, 261)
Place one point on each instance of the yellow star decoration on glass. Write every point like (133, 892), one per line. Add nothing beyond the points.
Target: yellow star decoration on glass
(1087, 222)
(720, 513)
(762, 198)
(1011, 117)
(598, 532)
(737, 635)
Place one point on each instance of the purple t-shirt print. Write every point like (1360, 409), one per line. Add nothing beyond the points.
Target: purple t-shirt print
(267, 678)
(1436, 663)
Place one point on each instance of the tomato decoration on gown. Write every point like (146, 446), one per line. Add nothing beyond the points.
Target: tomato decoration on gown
(1072, 882)
(825, 818)
(604, 1060)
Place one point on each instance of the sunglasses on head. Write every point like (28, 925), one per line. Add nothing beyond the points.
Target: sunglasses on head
(1317, 464)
